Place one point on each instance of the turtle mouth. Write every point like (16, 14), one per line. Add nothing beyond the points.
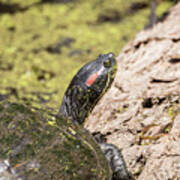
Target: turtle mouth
(113, 71)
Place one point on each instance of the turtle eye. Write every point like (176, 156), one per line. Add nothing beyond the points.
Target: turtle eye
(107, 63)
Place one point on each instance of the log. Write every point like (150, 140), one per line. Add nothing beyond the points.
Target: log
(141, 112)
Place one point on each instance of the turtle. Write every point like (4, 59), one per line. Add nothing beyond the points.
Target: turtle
(36, 144)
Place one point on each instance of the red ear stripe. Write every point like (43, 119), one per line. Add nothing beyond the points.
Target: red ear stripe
(91, 79)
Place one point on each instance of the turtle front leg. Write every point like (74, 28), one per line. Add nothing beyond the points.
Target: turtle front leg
(114, 158)
(116, 161)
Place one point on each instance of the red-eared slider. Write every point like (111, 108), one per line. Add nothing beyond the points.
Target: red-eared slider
(36, 145)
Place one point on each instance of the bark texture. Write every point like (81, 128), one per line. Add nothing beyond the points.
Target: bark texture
(141, 112)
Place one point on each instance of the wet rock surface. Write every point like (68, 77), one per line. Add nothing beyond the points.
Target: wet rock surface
(141, 112)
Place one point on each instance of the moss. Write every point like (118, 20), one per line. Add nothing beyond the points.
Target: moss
(18, 107)
(173, 111)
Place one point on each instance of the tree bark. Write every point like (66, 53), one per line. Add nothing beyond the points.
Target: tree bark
(141, 112)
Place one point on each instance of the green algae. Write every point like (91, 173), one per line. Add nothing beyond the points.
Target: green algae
(31, 74)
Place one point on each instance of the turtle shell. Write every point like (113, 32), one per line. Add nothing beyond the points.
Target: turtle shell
(37, 145)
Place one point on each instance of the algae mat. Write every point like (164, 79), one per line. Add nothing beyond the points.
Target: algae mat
(42, 45)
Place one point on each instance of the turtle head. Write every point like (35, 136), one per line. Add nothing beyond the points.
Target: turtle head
(87, 87)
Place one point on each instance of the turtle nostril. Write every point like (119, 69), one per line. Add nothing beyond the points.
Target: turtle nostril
(110, 55)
